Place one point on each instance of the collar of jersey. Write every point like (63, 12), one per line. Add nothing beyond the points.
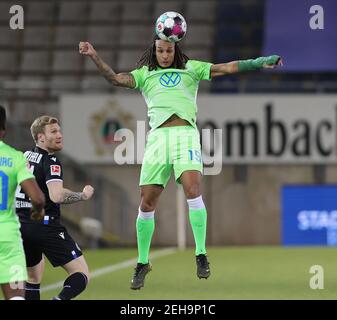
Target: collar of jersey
(40, 150)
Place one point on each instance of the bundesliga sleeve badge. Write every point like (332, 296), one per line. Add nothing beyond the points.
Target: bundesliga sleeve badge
(55, 170)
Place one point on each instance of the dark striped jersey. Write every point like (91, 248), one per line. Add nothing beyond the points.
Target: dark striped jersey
(46, 168)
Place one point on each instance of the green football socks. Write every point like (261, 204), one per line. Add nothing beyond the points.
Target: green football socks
(198, 220)
(145, 229)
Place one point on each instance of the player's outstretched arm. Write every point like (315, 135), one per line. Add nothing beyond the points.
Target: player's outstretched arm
(61, 195)
(117, 79)
(32, 190)
(222, 69)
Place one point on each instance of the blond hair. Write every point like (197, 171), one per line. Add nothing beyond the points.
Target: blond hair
(39, 124)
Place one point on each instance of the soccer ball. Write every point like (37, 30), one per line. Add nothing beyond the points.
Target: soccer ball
(171, 26)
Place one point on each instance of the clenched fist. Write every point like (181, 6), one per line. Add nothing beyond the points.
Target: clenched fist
(88, 191)
(37, 215)
(86, 49)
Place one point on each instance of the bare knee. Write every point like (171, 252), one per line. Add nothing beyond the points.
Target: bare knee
(147, 205)
(192, 191)
(148, 202)
(87, 274)
(79, 265)
(34, 276)
(35, 273)
(85, 269)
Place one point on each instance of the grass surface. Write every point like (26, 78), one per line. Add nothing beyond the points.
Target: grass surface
(237, 273)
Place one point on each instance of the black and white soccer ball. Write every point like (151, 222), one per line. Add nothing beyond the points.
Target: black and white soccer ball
(171, 26)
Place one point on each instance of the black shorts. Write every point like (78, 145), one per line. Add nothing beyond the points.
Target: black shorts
(51, 240)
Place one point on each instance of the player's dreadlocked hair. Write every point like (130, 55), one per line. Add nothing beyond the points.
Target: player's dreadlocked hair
(149, 57)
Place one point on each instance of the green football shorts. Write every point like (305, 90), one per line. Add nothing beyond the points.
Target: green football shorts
(12, 256)
(168, 148)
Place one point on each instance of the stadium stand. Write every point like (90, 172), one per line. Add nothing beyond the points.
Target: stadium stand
(39, 63)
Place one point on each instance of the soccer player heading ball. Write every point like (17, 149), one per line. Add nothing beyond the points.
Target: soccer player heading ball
(171, 26)
(169, 81)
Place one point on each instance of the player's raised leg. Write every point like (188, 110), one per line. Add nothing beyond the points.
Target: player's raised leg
(145, 228)
(191, 181)
(77, 280)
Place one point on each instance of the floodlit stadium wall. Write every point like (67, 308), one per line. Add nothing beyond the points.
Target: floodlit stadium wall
(258, 145)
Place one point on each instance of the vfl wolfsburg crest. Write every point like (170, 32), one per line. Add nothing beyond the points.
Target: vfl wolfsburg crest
(170, 79)
(104, 126)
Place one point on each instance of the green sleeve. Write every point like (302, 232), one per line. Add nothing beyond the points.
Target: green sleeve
(22, 165)
(138, 75)
(202, 69)
(258, 63)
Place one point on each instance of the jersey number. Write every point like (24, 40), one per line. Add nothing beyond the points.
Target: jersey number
(4, 191)
(195, 155)
(18, 193)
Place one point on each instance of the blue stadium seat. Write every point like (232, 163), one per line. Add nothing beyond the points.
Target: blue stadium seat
(256, 34)
(254, 12)
(230, 34)
(230, 12)
(224, 54)
(200, 35)
(229, 84)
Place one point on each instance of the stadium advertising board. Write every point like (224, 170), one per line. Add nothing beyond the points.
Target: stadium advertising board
(313, 46)
(243, 129)
(309, 215)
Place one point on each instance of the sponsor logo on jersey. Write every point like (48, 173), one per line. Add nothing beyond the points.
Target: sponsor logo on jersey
(6, 162)
(170, 79)
(54, 159)
(55, 170)
(61, 234)
(33, 156)
(22, 204)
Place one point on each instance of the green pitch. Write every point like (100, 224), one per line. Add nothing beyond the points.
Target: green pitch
(237, 273)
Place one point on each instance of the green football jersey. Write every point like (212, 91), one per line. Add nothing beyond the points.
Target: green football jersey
(13, 170)
(171, 91)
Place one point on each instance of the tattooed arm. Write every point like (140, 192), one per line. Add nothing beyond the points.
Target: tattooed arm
(117, 79)
(70, 197)
(60, 195)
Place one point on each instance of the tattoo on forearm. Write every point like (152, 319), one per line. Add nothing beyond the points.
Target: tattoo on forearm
(121, 79)
(72, 197)
(104, 69)
(126, 80)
